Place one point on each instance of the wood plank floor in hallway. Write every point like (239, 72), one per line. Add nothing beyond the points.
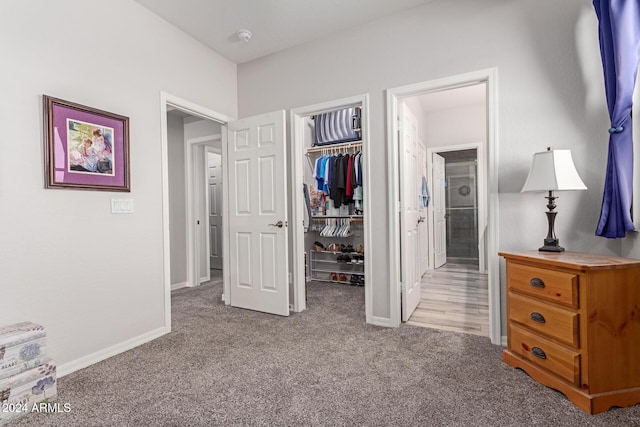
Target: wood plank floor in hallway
(455, 298)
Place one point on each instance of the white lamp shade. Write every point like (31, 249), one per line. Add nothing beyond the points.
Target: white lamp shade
(553, 170)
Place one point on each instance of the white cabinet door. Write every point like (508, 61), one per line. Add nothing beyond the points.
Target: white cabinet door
(258, 243)
(439, 211)
(410, 213)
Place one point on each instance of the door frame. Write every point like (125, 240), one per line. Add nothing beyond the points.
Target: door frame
(490, 78)
(169, 100)
(481, 194)
(193, 246)
(297, 200)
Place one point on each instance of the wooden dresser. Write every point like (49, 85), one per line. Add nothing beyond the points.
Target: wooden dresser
(574, 325)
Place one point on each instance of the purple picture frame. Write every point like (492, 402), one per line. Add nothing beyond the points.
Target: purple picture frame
(85, 148)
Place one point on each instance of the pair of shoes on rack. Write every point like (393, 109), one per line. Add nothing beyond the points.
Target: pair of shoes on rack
(319, 247)
(356, 280)
(333, 247)
(343, 259)
(335, 277)
(358, 259)
(347, 248)
(360, 249)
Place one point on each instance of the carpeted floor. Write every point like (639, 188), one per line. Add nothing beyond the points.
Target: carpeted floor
(324, 367)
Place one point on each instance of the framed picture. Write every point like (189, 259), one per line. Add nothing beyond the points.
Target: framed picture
(85, 148)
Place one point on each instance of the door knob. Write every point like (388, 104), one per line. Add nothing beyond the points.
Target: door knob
(278, 224)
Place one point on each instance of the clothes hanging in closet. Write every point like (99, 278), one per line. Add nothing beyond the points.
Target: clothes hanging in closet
(340, 178)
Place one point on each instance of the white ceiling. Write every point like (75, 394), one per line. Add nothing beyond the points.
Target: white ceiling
(276, 24)
(452, 98)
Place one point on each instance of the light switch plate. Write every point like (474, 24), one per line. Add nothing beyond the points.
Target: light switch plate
(121, 206)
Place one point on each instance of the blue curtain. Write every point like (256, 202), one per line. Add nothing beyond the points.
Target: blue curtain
(619, 31)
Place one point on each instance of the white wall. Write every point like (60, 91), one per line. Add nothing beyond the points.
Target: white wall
(94, 279)
(177, 199)
(550, 93)
(454, 126)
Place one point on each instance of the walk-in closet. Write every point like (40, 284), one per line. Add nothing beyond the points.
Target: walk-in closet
(334, 197)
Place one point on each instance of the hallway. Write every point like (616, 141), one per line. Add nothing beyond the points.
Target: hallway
(454, 298)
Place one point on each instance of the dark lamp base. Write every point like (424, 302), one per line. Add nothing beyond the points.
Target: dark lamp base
(551, 245)
(548, 248)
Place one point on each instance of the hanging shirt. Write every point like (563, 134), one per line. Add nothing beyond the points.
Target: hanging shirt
(349, 184)
(329, 174)
(318, 172)
(359, 173)
(338, 181)
(357, 191)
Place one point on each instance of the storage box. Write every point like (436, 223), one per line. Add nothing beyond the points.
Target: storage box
(19, 393)
(22, 347)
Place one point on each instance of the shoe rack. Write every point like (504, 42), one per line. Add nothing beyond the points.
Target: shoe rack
(344, 265)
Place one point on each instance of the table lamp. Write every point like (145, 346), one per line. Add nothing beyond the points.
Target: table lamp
(552, 170)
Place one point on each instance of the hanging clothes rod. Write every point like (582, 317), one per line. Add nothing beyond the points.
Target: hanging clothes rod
(336, 147)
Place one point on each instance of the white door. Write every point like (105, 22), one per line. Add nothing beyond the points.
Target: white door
(409, 212)
(423, 237)
(439, 211)
(258, 251)
(214, 180)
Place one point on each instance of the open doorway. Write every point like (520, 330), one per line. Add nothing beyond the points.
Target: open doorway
(203, 181)
(446, 125)
(190, 141)
(179, 121)
(457, 219)
(454, 290)
(461, 206)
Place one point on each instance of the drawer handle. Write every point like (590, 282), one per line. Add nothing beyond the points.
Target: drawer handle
(537, 317)
(536, 283)
(538, 352)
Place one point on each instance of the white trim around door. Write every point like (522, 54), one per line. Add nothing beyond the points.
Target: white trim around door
(490, 78)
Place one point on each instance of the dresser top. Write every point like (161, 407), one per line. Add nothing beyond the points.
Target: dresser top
(574, 260)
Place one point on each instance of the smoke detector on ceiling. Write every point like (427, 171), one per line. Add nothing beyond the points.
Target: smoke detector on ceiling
(244, 35)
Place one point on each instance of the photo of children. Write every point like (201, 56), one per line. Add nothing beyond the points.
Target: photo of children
(90, 148)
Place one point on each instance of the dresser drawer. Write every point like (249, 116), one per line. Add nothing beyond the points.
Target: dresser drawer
(549, 285)
(558, 323)
(562, 361)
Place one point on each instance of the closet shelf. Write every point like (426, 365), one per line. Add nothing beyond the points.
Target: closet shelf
(338, 252)
(336, 271)
(335, 147)
(338, 263)
(333, 281)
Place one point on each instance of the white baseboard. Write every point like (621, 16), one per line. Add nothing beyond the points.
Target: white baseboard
(503, 341)
(108, 352)
(380, 321)
(177, 286)
(204, 279)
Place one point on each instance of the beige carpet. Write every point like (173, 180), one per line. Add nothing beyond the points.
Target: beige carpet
(324, 367)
